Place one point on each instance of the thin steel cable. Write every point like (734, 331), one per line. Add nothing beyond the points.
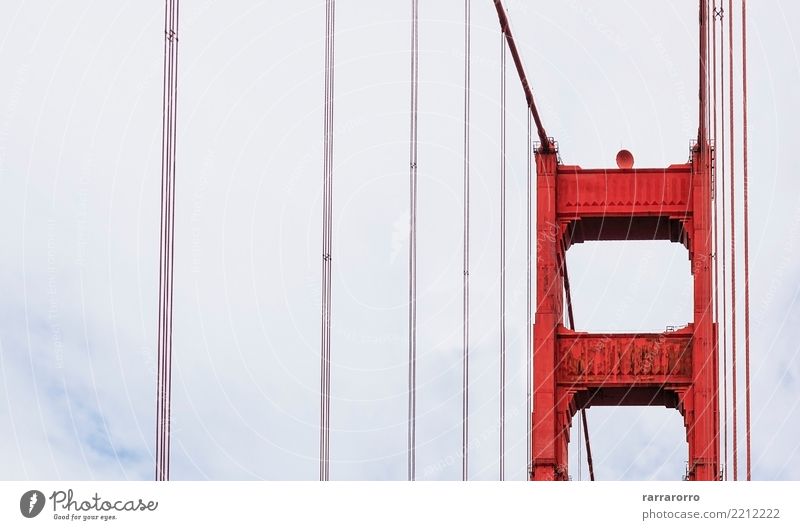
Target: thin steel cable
(168, 253)
(705, 155)
(588, 445)
(330, 223)
(722, 164)
(702, 135)
(505, 28)
(167, 453)
(327, 245)
(711, 98)
(746, 256)
(465, 279)
(529, 296)
(580, 467)
(709, 71)
(163, 248)
(502, 255)
(167, 241)
(412, 254)
(324, 286)
(733, 244)
(715, 188)
(571, 321)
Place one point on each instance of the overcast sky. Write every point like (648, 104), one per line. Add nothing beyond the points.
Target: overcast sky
(80, 140)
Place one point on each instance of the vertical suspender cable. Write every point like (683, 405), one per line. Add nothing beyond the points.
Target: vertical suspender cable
(327, 246)
(746, 243)
(412, 254)
(502, 255)
(167, 237)
(705, 142)
(715, 188)
(529, 296)
(721, 157)
(708, 70)
(702, 132)
(465, 278)
(733, 243)
(580, 467)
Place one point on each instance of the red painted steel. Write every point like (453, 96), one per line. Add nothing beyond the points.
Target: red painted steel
(584, 193)
(572, 369)
(624, 359)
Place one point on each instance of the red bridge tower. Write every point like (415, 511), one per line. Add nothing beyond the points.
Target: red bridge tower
(574, 370)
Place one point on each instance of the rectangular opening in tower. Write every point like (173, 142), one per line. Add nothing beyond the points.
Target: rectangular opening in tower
(629, 443)
(631, 286)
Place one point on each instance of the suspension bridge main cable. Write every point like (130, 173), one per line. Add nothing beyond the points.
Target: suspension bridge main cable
(505, 27)
(327, 246)
(465, 276)
(412, 253)
(167, 240)
(746, 256)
